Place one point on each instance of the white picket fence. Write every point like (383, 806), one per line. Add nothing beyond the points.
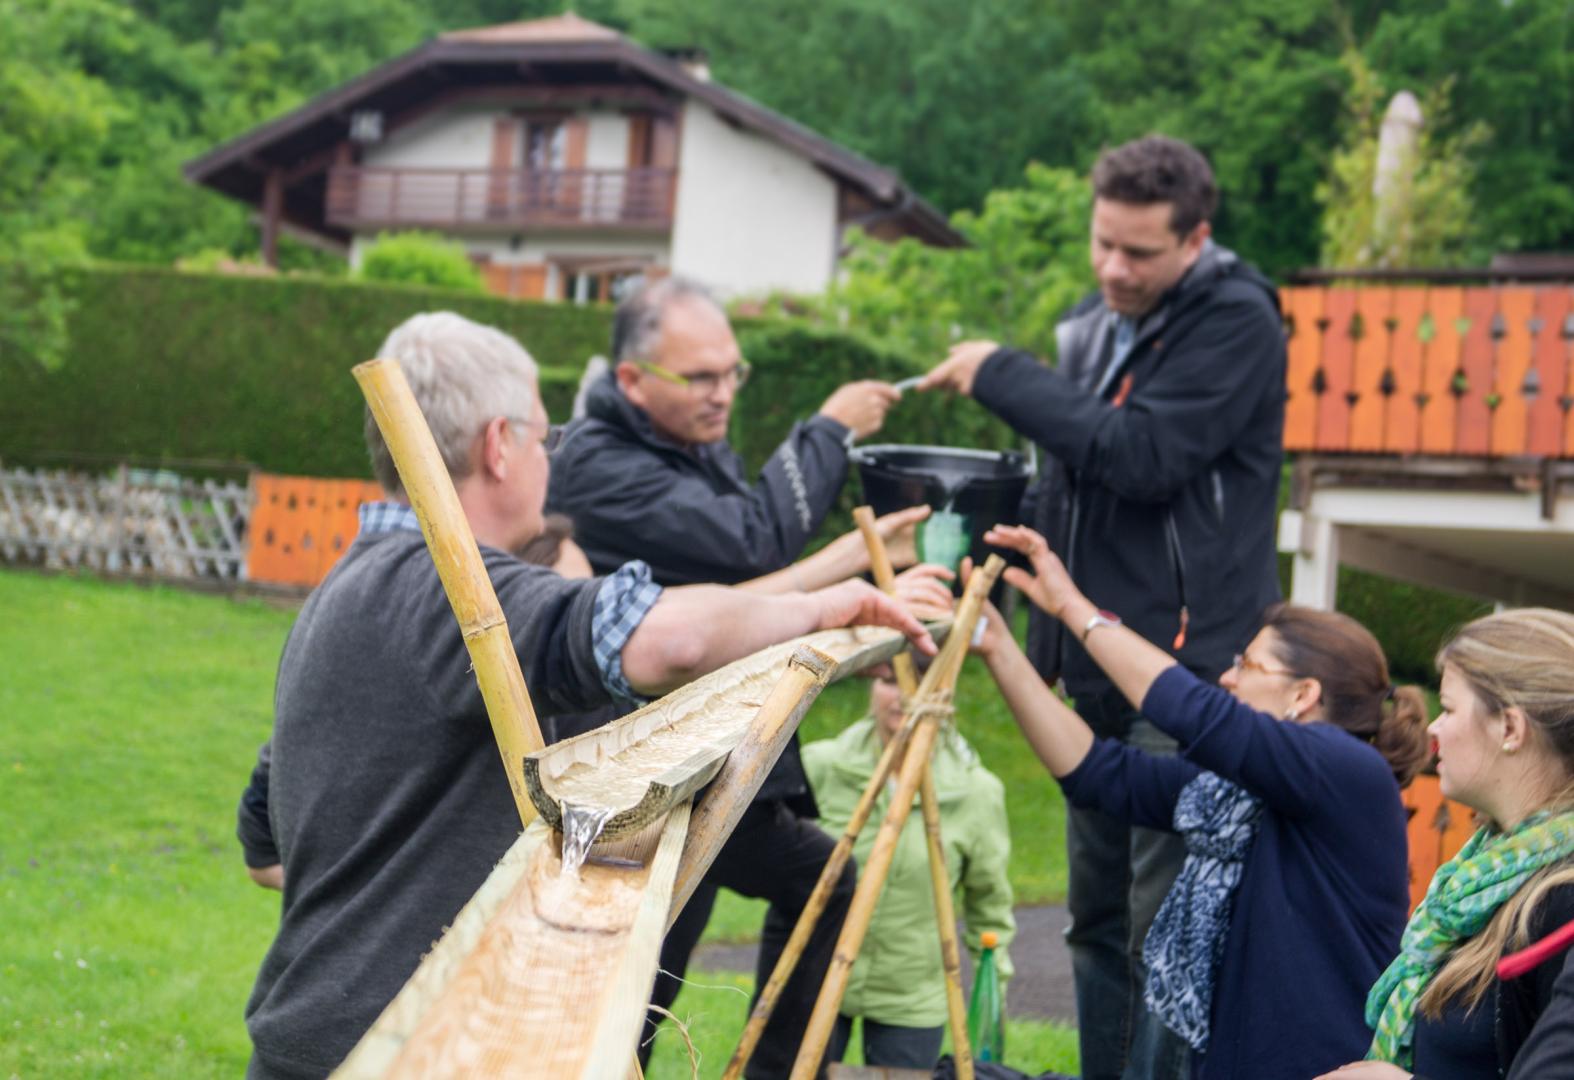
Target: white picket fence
(129, 521)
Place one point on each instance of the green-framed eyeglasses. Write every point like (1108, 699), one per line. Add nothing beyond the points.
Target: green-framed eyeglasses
(704, 384)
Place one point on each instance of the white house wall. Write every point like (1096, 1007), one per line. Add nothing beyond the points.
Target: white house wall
(751, 215)
(453, 139)
(1493, 545)
(606, 141)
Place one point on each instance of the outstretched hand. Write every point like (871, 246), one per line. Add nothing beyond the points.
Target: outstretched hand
(1050, 585)
(861, 406)
(925, 590)
(960, 367)
(857, 603)
(899, 530)
(992, 633)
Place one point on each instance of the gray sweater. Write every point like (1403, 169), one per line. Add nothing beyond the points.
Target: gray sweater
(388, 801)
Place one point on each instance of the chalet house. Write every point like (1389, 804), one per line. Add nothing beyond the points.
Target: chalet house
(563, 156)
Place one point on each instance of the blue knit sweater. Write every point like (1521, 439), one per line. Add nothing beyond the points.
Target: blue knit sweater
(1324, 895)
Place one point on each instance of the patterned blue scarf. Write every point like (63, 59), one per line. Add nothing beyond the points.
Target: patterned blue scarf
(1218, 820)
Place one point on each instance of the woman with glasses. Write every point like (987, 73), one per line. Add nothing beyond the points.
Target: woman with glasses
(1286, 790)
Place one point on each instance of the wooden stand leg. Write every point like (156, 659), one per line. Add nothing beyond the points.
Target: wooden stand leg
(720, 807)
(809, 918)
(945, 915)
(940, 877)
(933, 692)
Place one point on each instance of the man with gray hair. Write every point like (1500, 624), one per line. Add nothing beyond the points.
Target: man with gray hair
(386, 802)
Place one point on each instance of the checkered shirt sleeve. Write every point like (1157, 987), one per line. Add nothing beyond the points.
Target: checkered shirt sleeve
(622, 602)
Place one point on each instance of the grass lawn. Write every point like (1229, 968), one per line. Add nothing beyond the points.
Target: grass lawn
(713, 1008)
(131, 720)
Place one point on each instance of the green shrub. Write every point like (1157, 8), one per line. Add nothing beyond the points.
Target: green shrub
(1411, 621)
(169, 366)
(418, 258)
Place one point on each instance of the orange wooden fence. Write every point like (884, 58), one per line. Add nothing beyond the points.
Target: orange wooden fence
(1438, 828)
(300, 525)
(1481, 371)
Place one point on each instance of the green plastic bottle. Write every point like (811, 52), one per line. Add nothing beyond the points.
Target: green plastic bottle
(985, 1028)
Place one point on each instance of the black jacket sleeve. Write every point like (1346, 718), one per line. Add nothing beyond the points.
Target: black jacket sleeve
(676, 520)
(1172, 426)
(252, 827)
(1524, 1003)
(1548, 1054)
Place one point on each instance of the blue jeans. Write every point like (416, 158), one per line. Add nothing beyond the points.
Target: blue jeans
(1119, 875)
(889, 1045)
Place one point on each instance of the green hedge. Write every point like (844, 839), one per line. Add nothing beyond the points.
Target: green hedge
(167, 365)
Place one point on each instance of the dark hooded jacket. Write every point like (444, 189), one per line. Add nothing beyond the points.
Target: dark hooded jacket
(691, 513)
(1162, 482)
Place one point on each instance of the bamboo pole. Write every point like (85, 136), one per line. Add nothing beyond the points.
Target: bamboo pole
(933, 692)
(929, 802)
(465, 580)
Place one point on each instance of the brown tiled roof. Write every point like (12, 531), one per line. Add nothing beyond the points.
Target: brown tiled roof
(565, 27)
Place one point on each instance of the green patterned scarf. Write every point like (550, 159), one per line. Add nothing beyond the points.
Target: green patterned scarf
(1465, 893)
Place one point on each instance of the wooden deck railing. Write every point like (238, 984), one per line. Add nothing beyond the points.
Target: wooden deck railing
(1475, 371)
(573, 198)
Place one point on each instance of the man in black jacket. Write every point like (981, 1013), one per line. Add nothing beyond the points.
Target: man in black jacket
(1163, 423)
(647, 474)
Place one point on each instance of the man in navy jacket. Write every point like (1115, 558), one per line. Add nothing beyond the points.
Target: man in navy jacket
(1163, 423)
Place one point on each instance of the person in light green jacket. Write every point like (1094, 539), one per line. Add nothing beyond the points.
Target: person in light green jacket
(898, 984)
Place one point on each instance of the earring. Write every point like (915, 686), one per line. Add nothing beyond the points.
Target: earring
(1509, 748)
(1290, 714)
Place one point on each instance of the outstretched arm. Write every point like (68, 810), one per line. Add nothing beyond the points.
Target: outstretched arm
(1131, 661)
(696, 629)
(1059, 737)
(846, 556)
(1109, 776)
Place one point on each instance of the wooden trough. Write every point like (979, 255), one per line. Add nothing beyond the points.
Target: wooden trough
(639, 767)
(546, 972)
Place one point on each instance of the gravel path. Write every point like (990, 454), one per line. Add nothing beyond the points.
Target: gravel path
(1041, 989)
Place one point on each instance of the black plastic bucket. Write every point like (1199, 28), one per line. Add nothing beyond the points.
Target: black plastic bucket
(970, 491)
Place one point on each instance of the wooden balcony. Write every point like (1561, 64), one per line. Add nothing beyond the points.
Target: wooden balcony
(520, 198)
(1480, 371)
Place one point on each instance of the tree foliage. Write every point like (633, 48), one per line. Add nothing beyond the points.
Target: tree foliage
(102, 101)
(1027, 263)
(1427, 217)
(958, 96)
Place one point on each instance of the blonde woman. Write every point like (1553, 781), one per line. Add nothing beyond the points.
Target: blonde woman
(1505, 747)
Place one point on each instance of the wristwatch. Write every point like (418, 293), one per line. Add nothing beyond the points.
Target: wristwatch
(1097, 619)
